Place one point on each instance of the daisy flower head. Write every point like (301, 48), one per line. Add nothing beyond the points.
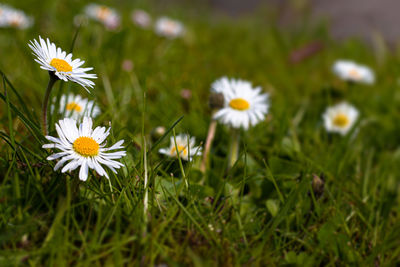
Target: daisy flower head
(169, 28)
(109, 17)
(76, 107)
(14, 18)
(141, 18)
(350, 71)
(84, 147)
(340, 118)
(3, 9)
(60, 63)
(243, 106)
(186, 147)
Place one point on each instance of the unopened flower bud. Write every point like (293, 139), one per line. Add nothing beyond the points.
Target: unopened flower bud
(318, 185)
(216, 101)
(186, 94)
(157, 133)
(127, 65)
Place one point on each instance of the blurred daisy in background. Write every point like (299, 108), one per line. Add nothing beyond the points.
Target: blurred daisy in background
(141, 18)
(353, 72)
(109, 17)
(83, 147)
(340, 118)
(55, 60)
(14, 18)
(76, 107)
(2, 17)
(169, 28)
(186, 147)
(243, 106)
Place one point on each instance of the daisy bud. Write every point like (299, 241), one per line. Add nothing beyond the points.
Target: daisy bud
(186, 94)
(216, 101)
(157, 133)
(318, 185)
(127, 65)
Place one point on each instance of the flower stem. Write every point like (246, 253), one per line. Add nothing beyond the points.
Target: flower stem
(207, 147)
(146, 186)
(52, 79)
(234, 148)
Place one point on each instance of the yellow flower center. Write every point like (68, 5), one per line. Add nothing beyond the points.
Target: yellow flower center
(354, 74)
(103, 12)
(181, 149)
(86, 146)
(73, 107)
(239, 104)
(60, 65)
(341, 120)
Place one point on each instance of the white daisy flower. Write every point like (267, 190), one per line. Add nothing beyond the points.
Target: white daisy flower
(351, 71)
(169, 28)
(55, 60)
(84, 147)
(2, 17)
(109, 17)
(340, 118)
(186, 147)
(14, 18)
(244, 106)
(76, 107)
(141, 18)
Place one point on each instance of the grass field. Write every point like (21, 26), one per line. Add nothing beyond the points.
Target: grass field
(296, 196)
